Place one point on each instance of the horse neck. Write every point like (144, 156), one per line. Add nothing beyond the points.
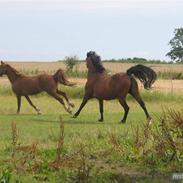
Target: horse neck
(94, 74)
(12, 74)
(91, 73)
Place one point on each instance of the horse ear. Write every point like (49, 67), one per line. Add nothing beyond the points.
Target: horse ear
(2, 63)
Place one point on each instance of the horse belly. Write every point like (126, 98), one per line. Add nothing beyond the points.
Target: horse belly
(111, 90)
(26, 88)
(31, 91)
(110, 95)
(105, 93)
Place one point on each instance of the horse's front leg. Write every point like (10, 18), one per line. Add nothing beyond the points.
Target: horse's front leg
(30, 102)
(85, 100)
(101, 110)
(18, 103)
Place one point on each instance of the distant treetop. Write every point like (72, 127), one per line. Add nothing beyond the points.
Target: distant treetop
(176, 43)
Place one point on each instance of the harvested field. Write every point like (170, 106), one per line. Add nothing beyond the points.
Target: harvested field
(113, 67)
(50, 67)
(168, 86)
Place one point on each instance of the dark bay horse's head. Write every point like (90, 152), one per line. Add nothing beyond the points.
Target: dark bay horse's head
(3, 68)
(93, 62)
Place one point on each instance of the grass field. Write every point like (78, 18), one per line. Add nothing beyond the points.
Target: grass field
(89, 151)
(54, 147)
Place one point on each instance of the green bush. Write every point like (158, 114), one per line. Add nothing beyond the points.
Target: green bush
(71, 62)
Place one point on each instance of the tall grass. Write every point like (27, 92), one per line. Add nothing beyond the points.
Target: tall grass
(155, 146)
(160, 75)
(77, 73)
(6, 90)
(170, 75)
(78, 93)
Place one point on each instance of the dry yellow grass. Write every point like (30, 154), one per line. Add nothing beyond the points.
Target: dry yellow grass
(162, 85)
(113, 67)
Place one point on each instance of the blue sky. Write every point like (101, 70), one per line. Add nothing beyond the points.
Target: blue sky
(39, 30)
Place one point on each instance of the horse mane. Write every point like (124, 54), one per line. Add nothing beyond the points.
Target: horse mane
(96, 60)
(14, 70)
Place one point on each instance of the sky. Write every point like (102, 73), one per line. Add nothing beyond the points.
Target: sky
(50, 30)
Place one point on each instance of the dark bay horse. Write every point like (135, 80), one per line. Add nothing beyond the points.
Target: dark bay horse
(102, 86)
(29, 85)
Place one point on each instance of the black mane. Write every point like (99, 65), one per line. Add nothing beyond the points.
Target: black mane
(96, 60)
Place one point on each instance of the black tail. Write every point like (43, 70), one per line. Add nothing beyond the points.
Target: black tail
(145, 74)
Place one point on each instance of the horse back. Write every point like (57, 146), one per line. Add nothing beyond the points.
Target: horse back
(29, 85)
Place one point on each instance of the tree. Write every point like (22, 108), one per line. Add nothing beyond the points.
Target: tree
(71, 62)
(176, 52)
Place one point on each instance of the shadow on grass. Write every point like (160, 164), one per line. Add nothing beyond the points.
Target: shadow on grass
(66, 118)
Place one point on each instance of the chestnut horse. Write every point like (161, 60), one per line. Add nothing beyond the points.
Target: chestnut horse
(102, 86)
(29, 85)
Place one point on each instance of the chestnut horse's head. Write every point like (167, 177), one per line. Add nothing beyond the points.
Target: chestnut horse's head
(93, 61)
(3, 68)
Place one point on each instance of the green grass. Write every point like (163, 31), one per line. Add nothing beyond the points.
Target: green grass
(84, 131)
(170, 75)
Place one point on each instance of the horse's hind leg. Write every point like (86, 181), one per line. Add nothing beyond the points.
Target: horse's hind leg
(30, 102)
(18, 103)
(125, 106)
(65, 96)
(55, 95)
(138, 98)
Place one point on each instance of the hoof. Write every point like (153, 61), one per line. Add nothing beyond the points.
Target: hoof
(39, 111)
(122, 122)
(101, 120)
(75, 116)
(69, 111)
(71, 104)
(150, 121)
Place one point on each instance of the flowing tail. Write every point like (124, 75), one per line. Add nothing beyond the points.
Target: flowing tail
(145, 74)
(60, 77)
